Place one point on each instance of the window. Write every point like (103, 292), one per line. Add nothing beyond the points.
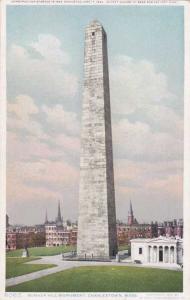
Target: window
(140, 250)
(93, 33)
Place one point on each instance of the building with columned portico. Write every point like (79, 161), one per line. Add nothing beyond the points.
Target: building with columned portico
(161, 250)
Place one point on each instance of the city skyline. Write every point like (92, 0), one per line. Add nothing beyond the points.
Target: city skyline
(44, 109)
(124, 220)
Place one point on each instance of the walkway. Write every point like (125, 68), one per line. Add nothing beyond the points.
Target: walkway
(64, 265)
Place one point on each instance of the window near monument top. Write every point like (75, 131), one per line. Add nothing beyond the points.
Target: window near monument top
(93, 33)
(140, 250)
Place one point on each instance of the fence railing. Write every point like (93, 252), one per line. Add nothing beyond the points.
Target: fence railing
(74, 257)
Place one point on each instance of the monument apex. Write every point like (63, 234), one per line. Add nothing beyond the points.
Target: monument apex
(97, 217)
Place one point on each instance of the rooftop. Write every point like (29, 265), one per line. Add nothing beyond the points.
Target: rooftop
(160, 238)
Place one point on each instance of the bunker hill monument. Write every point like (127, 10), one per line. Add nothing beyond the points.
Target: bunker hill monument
(97, 217)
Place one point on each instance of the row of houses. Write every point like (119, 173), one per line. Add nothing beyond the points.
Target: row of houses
(50, 236)
(56, 233)
(51, 233)
(126, 232)
(133, 229)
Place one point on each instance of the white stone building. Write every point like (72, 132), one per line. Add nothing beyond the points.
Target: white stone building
(56, 235)
(157, 250)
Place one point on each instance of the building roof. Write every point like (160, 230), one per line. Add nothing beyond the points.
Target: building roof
(163, 239)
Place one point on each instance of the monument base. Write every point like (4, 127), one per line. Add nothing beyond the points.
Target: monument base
(75, 257)
(25, 253)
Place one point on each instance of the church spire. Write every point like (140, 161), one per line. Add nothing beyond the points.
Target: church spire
(131, 219)
(59, 220)
(46, 217)
(131, 209)
(59, 211)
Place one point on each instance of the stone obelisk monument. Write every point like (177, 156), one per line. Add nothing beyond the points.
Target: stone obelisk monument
(97, 217)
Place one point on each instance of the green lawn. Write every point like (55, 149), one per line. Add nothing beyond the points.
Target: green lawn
(106, 279)
(41, 251)
(16, 267)
(44, 251)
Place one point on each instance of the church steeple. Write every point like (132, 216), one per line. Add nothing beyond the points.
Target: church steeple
(59, 220)
(46, 217)
(131, 209)
(131, 220)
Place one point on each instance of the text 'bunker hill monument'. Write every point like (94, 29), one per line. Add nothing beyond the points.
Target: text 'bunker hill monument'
(97, 216)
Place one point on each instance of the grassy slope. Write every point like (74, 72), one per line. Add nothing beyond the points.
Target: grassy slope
(106, 279)
(41, 251)
(44, 251)
(16, 267)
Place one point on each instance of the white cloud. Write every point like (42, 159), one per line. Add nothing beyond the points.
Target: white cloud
(19, 192)
(45, 77)
(140, 174)
(30, 148)
(137, 141)
(23, 107)
(45, 179)
(53, 137)
(156, 186)
(67, 120)
(147, 127)
(50, 48)
(135, 84)
(164, 119)
(20, 113)
(71, 144)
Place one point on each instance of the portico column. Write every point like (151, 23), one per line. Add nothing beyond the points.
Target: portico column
(157, 260)
(169, 254)
(164, 254)
(155, 254)
(150, 253)
(175, 255)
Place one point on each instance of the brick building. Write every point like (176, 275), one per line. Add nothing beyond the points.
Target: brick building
(133, 229)
(127, 232)
(58, 234)
(18, 237)
(171, 228)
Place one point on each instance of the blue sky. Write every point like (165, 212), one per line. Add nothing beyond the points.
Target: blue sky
(44, 76)
(152, 33)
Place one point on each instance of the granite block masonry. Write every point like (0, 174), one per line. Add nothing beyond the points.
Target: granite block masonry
(97, 218)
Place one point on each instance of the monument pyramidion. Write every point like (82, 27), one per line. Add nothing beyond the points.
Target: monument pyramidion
(97, 217)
